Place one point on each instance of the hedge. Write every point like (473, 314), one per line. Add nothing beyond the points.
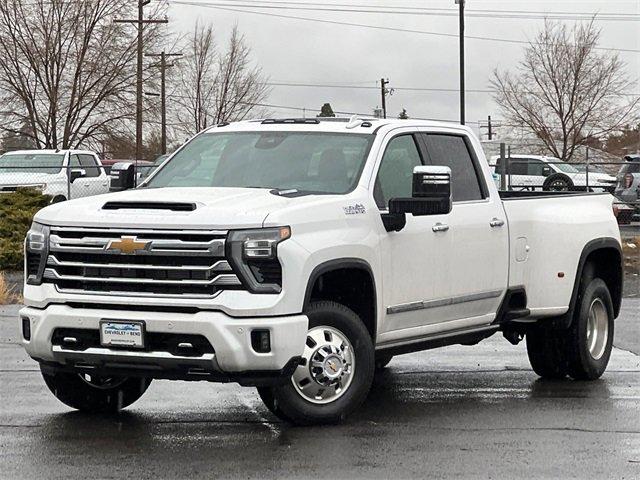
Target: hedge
(16, 212)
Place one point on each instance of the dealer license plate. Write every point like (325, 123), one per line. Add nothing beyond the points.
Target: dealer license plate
(122, 334)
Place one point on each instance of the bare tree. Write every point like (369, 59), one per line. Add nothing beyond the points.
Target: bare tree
(217, 86)
(565, 91)
(67, 71)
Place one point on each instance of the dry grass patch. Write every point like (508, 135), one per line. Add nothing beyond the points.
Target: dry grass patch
(7, 293)
(631, 253)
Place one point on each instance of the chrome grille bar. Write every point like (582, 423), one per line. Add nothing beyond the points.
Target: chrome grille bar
(219, 266)
(223, 279)
(173, 264)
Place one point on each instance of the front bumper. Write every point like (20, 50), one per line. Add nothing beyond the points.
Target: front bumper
(233, 357)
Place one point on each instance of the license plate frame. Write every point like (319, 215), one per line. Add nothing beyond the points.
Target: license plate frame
(127, 339)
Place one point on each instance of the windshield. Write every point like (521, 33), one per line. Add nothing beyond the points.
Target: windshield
(565, 167)
(305, 161)
(31, 162)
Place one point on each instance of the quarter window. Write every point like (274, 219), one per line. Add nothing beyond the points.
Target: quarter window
(396, 170)
(452, 151)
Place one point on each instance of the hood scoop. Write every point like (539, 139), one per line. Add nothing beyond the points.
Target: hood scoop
(171, 206)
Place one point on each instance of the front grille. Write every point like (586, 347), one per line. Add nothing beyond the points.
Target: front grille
(166, 263)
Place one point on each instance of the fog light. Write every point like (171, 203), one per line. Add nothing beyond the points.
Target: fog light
(26, 328)
(261, 341)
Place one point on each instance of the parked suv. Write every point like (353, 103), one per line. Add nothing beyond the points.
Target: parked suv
(531, 172)
(628, 186)
(62, 174)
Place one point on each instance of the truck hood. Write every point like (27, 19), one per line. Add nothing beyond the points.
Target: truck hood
(215, 208)
(24, 178)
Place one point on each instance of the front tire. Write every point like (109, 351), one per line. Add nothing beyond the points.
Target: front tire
(95, 394)
(335, 374)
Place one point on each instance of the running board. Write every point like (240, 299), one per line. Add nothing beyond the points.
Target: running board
(468, 336)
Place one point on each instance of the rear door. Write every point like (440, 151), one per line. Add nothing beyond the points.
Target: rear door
(479, 244)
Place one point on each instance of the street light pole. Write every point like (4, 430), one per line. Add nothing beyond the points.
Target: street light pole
(460, 3)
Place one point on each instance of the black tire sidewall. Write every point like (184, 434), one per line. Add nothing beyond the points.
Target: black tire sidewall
(554, 177)
(291, 406)
(74, 392)
(582, 366)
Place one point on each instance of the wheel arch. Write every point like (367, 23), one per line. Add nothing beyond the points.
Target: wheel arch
(600, 258)
(349, 276)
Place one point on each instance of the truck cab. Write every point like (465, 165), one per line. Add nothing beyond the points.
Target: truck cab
(299, 256)
(61, 174)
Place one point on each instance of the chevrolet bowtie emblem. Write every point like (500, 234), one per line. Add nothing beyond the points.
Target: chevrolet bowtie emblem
(128, 245)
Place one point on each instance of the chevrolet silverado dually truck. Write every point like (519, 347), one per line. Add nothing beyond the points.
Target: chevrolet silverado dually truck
(300, 255)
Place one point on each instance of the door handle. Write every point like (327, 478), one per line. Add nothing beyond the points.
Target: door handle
(440, 227)
(496, 222)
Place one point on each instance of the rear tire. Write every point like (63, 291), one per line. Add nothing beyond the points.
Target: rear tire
(557, 182)
(95, 394)
(583, 350)
(337, 372)
(590, 337)
(546, 351)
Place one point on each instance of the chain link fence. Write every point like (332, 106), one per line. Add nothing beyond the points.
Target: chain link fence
(522, 172)
(63, 182)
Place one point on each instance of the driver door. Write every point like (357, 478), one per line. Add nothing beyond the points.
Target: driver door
(416, 257)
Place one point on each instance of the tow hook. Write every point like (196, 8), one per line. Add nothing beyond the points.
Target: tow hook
(513, 336)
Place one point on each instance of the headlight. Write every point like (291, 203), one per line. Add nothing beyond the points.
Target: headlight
(36, 251)
(253, 254)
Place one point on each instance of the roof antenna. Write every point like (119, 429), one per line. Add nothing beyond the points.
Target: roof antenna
(354, 122)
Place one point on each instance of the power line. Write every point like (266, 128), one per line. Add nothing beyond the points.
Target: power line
(404, 10)
(376, 27)
(406, 89)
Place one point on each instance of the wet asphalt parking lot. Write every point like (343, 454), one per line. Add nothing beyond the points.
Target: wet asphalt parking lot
(457, 412)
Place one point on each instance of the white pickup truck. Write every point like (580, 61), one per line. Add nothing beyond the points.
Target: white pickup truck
(61, 174)
(299, 256)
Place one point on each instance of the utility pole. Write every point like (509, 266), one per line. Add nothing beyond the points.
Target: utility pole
(384, 92)
(140, 22)
(163, 93)
(460, 3)
(489, 127)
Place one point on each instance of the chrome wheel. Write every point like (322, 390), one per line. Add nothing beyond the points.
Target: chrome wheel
(597, 329)
(327, 367)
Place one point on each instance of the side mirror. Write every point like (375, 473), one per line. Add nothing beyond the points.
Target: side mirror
(76, 173)
(546, 171)
(122, 177)
(431, 196)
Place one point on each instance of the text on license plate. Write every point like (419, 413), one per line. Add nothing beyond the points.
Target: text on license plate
(122, 334)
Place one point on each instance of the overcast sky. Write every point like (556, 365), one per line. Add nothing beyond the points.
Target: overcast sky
(298, 51)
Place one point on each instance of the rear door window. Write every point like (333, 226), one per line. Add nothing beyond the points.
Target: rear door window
(452, 151)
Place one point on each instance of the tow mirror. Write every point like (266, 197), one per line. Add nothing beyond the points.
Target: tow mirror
(122, 177)
(76, 173)
(431, 195)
